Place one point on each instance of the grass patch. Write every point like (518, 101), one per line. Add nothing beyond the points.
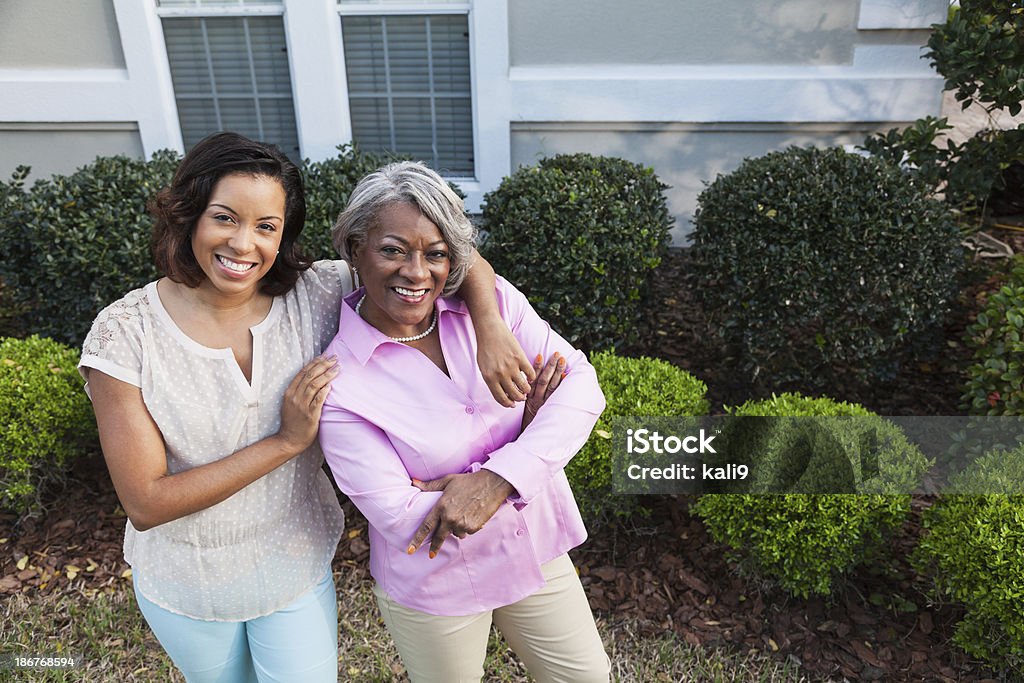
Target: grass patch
(106, 629)
(103, 627)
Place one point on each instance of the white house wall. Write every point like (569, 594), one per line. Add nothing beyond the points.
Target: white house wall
(687, 87)
(59, 34)
(52, 41)
(660, 32)
(693, 88)
(51, 148)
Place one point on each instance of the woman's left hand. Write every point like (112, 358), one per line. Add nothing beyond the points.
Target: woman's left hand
(502, 362)
(548, 379)
(468, 501)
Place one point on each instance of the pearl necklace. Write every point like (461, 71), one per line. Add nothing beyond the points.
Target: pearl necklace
(403, 340)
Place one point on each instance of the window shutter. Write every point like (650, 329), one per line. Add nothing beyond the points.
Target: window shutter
(409, 87)
(231, 73)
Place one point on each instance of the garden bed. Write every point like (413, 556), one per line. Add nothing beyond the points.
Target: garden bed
(666, 576)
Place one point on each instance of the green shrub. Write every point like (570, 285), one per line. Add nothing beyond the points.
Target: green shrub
(632, 387)
(995, 378)
(980, 54)
(328, 185)
(973, 549)
(12, 195)
(793, 444)
(967, 174)
(1000, 471)
(75, 243)
(581, 236)
(45, 418)
(805, 541)
(816, 265)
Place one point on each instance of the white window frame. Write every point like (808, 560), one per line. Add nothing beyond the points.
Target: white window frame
(319, 84)
(241, 11)
(488, 63)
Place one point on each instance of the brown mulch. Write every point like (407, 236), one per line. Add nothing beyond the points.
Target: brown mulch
(878, 626)
(668, 575)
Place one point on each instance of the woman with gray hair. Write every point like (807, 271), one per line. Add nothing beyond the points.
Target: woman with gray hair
(414, 440)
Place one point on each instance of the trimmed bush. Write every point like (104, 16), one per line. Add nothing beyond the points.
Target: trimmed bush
(12, 195)
(973, 549)
(820, 446)
(995, 378)
(45, 418)
(818, 264)
(581, 236)
(803, 541)
(632, 387)
(72, 244)
(328, 185)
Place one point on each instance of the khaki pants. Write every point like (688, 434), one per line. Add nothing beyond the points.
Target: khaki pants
(552, 631)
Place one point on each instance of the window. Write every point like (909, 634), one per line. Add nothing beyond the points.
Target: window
(409, 86)
(229, 66)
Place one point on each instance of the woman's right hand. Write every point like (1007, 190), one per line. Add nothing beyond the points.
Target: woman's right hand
(303, 400)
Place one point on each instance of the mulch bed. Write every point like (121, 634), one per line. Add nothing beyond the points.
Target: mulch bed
(666, 576)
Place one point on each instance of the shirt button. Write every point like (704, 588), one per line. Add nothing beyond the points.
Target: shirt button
(469, 410)
(519, 532)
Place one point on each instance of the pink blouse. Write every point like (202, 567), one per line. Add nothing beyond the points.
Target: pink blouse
(393, 415)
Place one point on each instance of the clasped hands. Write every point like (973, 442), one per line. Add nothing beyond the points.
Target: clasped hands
(468, 501)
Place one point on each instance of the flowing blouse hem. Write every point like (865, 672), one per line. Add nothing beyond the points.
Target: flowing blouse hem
(285, 602)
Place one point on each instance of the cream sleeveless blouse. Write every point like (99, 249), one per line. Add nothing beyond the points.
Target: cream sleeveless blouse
(257, 551)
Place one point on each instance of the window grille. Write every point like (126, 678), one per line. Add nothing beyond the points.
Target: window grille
(231, 73)
(409, 87)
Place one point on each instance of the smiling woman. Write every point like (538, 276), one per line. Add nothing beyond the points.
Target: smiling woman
(240, 243)
(235, 244)
(405, 268)
(207, 387)
(427, 457)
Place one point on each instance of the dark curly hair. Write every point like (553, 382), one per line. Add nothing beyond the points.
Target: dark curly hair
(177, 207)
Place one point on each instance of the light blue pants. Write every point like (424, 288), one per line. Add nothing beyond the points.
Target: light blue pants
(297, 643)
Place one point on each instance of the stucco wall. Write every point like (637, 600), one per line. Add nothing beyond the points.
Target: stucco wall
(577, 32)
(59, 34)
(62, 148)
(64, 40)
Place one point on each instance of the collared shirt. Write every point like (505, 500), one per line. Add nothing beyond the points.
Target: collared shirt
(393, 415)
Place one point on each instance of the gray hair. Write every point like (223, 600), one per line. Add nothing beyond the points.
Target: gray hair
(409, 182)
